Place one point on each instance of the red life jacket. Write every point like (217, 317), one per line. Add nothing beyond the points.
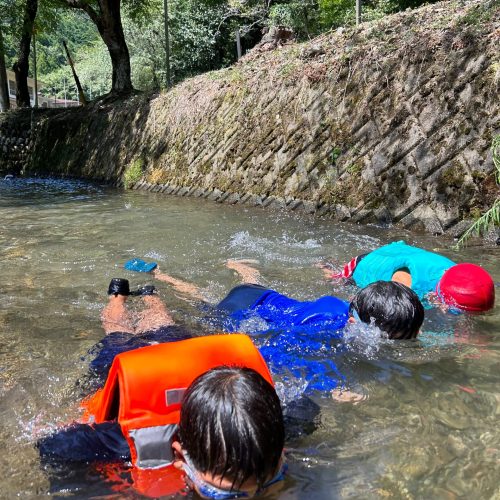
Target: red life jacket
(144, 390)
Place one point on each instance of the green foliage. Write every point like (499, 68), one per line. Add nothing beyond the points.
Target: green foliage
(200, 39)
(10, 24)
(75, 28)
(476, 15)
(300, 15)
(134, 173)
(202, 36)
(491, 217)
(335, 13)
(146, 44)
(93, 66)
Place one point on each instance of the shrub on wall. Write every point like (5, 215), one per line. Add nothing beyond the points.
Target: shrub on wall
(133, 173)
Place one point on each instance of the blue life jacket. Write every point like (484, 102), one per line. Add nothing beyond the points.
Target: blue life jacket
(297, 335)
(281, 311)
(426, 268)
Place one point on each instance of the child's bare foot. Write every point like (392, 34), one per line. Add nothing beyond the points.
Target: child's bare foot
(346, 396)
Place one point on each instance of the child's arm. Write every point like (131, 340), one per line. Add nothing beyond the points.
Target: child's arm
(179, 285)
(346, 272)
(402, 276)
(82, 442)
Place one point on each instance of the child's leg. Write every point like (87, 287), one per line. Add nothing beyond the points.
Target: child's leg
(247, 273)
(154, 316)
(115, 316)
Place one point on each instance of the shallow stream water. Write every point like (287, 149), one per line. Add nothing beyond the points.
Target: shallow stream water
(427, 428)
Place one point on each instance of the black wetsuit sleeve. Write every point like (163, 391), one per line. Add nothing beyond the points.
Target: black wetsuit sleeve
(241, 297)
(83, 443)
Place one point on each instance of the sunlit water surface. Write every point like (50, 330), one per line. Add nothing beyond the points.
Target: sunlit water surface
(428, 427)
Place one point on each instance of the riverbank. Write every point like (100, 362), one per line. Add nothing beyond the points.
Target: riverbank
(390, 122)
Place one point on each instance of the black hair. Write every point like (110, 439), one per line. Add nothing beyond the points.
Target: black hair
(231, 425)
(394, 308)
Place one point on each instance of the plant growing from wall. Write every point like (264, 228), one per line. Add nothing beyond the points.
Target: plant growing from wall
(490, 218)
(133, 173)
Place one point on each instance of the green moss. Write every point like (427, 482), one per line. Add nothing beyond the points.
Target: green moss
(288, 68)
(453, 176)
(475, 213)
(494, 71)
(355, 169)
(205, 168)
(217, 75)
(334, 154)
(235, 75)
(478, 176)
(133, 173)
(476, 16)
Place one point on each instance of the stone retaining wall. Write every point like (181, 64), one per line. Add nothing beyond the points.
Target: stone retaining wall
(15, 145)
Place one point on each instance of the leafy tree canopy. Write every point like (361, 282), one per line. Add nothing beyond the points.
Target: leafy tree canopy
(202, 35)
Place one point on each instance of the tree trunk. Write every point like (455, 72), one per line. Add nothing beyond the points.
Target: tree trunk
(21, 66)
(4, 90)
(81, 94)
(108, 20)
(111, 30)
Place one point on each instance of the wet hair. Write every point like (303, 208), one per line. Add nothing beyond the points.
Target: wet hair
(231, 425)
(394, 308)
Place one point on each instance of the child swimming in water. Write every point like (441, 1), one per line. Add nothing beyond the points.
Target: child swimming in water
(465, 286)
(392, 307)
(299, 335)
(240, 456)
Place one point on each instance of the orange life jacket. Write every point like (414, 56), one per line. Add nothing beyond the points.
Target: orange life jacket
(144, 389)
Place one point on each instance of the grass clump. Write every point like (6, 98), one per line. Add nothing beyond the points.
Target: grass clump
(133, 173)
(491, 217)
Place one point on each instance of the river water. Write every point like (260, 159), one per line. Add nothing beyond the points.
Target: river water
(427, 428)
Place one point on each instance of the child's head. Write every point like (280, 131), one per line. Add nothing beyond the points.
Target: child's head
(394, 308)
(468, 287)
(231, 432)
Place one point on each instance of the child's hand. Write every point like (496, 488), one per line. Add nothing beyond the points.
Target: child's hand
(345, 396)
(327, 268)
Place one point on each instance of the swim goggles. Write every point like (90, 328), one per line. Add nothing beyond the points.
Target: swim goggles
(353, 312)
(210, 491)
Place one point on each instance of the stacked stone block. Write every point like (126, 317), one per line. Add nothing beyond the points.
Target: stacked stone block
(15, 147)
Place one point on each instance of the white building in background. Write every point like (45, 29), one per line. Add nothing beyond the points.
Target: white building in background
(43, 102)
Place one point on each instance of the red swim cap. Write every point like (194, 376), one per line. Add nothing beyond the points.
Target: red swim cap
(467, 287)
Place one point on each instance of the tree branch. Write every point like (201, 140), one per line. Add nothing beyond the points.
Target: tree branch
(83, 5)
(233, 13)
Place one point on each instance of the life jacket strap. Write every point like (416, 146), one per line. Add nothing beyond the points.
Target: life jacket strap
(153, 445)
